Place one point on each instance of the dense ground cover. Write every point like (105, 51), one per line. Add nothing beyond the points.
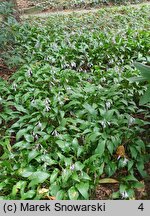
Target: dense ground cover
(70, 117)
(74, 4)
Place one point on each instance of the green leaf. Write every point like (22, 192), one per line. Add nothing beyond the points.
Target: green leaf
(144, 69)
(133, 151)
(54, 188)
(100, 169)
(33, 154)
(122, 188)
(21, 145)
(110, 147)
(75, 143)
(75, 177)
(140, 167)
(129, 178)
(90, 109)
(79, 151)
(85, 176)
(72, 103)
(29, 138)
(46, 137)
(94, 136)
(109, 114)
(68, 161)
(26, 96)
(20, 133)
(131, 193)
(20, 108)
(26, 172)
(2, 185)
(66, 175)
(38, 177)
(116, 195)
(60, 143)
(138, 185)
(73, 193)
(137, 79)
(146, 97)
(19, 185)
(28, 195)
(130, 164)
(60, 195)
(78, 166)
(54, 175)
(100, 148)
(83, 189)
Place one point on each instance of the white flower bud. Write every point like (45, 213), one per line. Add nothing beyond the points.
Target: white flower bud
(55, 133)
(72, 167)
(47, 102)
(103, 123)
(124, 195)
(36, 137)
(131, 121)
(39, 125)
(29, 73)
(108, 105)
(37, 45)
(103, 79)
(15, 86)
(125, 161)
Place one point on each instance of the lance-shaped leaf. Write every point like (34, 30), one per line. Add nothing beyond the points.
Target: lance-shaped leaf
(144, 69)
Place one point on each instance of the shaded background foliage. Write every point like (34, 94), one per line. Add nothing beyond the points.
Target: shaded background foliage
(70, 116)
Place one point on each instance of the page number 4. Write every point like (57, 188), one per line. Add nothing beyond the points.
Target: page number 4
(141, 207)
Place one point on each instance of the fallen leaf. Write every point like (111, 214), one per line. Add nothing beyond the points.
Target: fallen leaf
(51, 197)
(43, 190)
(107, 181)
(120, 151)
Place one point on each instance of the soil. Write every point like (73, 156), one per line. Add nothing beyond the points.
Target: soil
(105, 191)
(29, 9)
(23, 4)
(5, 72)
